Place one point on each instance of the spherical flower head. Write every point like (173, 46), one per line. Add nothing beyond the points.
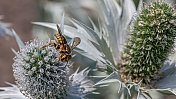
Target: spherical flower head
(38, 74)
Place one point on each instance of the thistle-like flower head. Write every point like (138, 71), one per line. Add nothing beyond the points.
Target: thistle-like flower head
(149, 45)
(79, 87)
(37, 72)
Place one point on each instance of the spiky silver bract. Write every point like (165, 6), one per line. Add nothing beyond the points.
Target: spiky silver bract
(11, 92)
(80, 84)
(4, 29)
(151, 41)
(37, 73)
(104, 43)
(97, 44)
(79, 87)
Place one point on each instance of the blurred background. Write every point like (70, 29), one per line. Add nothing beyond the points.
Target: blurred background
(20, 13)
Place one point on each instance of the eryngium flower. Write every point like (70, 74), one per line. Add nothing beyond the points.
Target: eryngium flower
(151, 41)
(38, 74)
(80, 85)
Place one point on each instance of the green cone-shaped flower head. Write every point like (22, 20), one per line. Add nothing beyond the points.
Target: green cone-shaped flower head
(151, 41)
(38, 74)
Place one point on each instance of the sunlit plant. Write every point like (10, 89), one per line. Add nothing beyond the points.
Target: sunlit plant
(39, 76)
(130, 47)
(123, 25)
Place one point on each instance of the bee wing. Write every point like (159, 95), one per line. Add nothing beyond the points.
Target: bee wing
(62, 24)
(61, 28)
(76, 41)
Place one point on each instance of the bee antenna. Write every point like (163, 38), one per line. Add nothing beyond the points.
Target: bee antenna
(58, 28)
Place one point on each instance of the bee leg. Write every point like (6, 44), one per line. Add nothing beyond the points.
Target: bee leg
(66, 64)
(56, 46)
(48, 44)
(60, 54)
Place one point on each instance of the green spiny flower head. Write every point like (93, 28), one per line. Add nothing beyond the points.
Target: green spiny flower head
(151, 41)
(38, 74)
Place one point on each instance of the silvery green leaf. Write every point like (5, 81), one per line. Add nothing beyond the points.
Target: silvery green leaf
(46, 24)
(85, 54)
(110, 16)
(107, 81)
(98, 49)
(80, 85)
(167, 83)
(128, 10)
(143, 97)
(112, 78)
(71, 32)
(13, 50)
(134, 17)
(140, 6)
(135, 90)
(11, 92)
(95, 28)
(101, 45)
(125, 91)
(165, 91)
(125, 94)
(164, 85)
(19, 41)
(156, 93)
(116, 20)
(86, 30)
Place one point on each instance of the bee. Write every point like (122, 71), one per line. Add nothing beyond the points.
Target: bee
(61, 45)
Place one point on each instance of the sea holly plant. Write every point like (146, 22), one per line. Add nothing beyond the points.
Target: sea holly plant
(144, 37)
(38, 75)
(150, 42)
(94, 40)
